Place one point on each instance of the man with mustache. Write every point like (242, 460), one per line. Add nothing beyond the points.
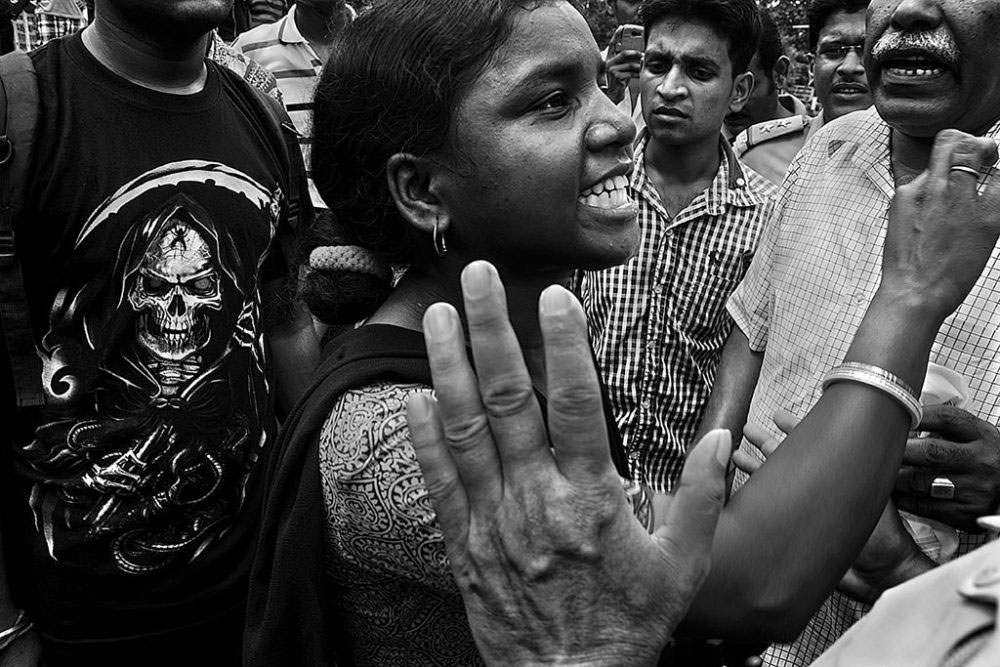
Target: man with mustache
(931, 65)
(658, 322)
(837, 38)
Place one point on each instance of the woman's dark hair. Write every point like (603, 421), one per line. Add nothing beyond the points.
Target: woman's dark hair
(736, 20)
(819, 12)
(391, 85)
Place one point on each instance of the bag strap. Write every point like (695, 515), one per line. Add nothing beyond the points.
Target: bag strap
(19, 112)
(291, 617)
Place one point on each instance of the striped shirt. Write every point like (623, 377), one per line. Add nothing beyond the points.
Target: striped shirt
(658, 322)
(817, 268)
(263, 12)
(282, 50)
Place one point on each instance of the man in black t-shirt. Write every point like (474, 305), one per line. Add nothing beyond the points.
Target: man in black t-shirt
(159, 198)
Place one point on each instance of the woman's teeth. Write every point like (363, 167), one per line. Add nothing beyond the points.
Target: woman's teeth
(609, 193)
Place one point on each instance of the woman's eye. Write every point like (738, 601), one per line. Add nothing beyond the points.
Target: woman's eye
(555, 101)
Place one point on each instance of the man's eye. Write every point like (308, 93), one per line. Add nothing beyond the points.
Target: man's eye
(837, 52)
(654, 67)
(702, 74)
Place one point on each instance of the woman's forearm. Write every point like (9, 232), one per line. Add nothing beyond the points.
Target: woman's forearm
(792, 531)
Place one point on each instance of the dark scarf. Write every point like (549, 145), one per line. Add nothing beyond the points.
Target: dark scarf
(291, 618)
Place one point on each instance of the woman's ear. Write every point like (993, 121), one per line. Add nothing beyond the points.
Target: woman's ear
(412, 183)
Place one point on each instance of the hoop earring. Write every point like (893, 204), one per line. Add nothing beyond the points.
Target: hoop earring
(440, 247)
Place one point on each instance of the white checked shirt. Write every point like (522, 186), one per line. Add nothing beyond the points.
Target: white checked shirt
(658, 322)
(815, 272)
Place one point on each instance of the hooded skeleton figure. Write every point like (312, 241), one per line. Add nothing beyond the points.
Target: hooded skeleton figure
(176, 365)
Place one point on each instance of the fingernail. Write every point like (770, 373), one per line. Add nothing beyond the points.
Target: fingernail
(723, 447)
(555, 301)
(477, 279)
(439, 321)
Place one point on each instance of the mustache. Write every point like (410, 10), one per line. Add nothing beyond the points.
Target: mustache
(938, 43)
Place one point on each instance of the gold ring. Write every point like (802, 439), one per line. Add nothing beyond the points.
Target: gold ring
(942, 488)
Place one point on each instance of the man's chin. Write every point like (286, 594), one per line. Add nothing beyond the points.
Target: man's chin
(835, 109)
(183, 18)
(918, 117)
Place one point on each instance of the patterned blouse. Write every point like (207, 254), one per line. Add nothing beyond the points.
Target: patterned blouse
(386, 553)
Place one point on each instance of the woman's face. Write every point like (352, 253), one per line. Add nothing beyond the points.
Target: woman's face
(542, 156)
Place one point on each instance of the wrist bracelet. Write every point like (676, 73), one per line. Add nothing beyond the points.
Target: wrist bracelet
(20, 627)
(881, 379)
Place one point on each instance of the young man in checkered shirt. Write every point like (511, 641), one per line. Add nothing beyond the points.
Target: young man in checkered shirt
(658, 323)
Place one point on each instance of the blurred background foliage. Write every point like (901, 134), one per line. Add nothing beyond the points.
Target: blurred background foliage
(787, 13)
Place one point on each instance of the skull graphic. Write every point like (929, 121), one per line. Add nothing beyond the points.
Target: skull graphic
(176, 286)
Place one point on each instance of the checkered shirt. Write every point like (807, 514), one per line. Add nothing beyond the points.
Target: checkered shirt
(658, 322)
(48, 21)
(815, 272)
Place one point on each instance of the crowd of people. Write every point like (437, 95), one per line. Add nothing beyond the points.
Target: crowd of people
(433, 332)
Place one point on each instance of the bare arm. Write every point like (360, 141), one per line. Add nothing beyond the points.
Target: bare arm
(294, 349)
(292, 340)
(538, 540)
(774, 558)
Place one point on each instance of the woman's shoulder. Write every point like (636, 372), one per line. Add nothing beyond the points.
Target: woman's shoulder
(366, 457)
(374, 414)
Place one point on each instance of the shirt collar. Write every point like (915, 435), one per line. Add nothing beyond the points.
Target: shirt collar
(730, 187)
(288, 32)
(869, 142)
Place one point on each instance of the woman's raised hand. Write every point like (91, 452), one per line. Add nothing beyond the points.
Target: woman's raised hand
(941, 230)
(551, 563)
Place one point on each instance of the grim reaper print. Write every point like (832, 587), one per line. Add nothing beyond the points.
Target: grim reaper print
(155, 371)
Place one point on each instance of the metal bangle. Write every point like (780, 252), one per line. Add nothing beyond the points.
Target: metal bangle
(881, 379)
(888, 375)
(20, 627)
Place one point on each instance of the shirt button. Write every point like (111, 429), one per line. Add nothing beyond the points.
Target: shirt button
(645, 404)
(658, 289)
(860, 299)
(740, 182)
(633, 456)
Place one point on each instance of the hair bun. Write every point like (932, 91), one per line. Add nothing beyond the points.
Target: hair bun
(349, 259)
